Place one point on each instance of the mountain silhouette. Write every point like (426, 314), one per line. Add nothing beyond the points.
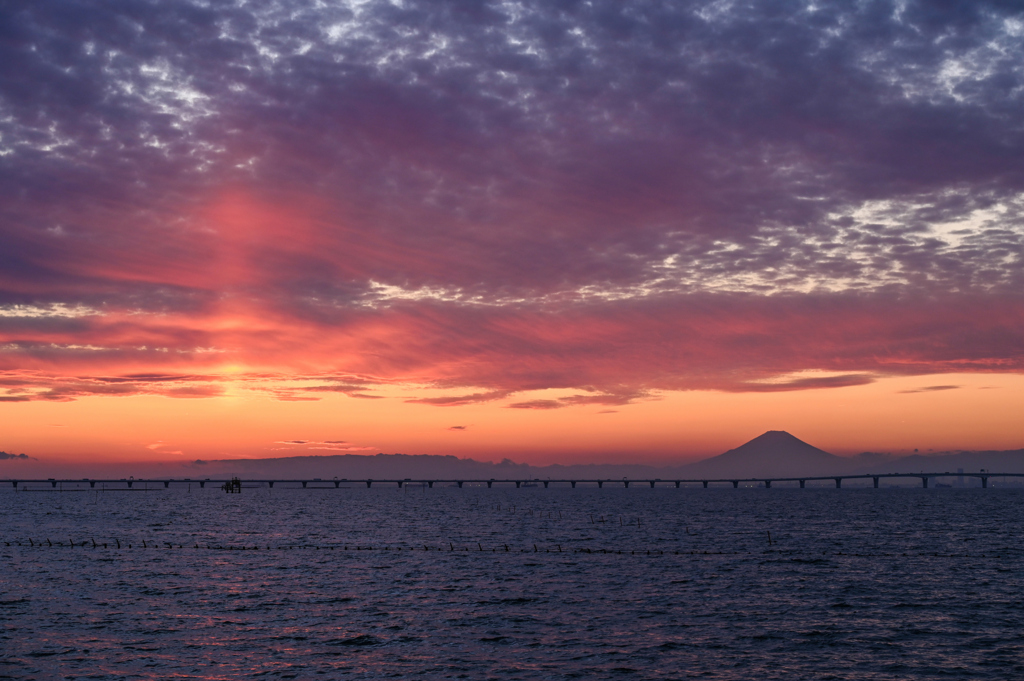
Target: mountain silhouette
(773, 454)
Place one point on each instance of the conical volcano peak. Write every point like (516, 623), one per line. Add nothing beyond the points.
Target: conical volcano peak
(776, 437)
(776, 441)
(774, 453)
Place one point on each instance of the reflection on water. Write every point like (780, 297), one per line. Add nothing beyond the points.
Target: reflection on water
(513, 584)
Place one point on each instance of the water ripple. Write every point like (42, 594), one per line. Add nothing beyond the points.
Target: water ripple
(513, 584)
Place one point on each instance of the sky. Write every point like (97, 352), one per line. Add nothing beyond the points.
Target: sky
(552, 231)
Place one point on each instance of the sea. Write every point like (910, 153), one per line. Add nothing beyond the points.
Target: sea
(506, 583)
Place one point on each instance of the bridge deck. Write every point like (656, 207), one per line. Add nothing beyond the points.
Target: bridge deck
(317, 483)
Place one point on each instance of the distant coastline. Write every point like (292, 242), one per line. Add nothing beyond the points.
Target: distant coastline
(773, 454)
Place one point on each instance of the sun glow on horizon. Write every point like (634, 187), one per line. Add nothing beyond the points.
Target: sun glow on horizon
(897, 415)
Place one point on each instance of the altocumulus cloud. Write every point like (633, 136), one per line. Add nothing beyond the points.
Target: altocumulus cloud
(609, 198)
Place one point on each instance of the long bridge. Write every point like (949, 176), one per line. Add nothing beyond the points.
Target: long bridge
(318, 483)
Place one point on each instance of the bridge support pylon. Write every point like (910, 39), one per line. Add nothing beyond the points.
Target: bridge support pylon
(92, 483)
(430, 484)
(489, 483)
(459, 483)
(573, 483)
(652, 483)
(735, 484)
(924, 482)
(876, 482)
(767, 484)
(839, 483)
(270, 484)
(600, 484)
(167, 483)
(518, 483)
(337, 484)
(303, 484)
(984, 483)
(370, 482)
(545, 484)
(802, 484)
(705, 484)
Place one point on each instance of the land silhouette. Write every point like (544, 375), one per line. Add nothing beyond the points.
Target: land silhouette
(774, 454)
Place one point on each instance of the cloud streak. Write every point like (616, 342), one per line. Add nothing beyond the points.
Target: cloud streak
(930, 389)
(611, 354)
(333, 445)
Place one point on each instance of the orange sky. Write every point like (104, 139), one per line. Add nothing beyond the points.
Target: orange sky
(252, 361)
(893, 415)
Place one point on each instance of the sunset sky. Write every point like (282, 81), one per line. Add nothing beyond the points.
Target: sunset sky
(552, 231)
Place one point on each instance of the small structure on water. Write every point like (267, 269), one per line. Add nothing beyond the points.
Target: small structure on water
(233, 487)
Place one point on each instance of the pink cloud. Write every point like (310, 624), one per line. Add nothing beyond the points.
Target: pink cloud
(612, 353)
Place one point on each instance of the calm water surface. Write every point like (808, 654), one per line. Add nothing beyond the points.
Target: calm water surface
(673, 584)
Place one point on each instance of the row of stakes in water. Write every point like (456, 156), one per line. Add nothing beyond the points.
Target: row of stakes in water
(501, 548)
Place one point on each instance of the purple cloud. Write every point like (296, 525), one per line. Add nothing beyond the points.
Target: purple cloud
(931, 388)
(606, 198)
